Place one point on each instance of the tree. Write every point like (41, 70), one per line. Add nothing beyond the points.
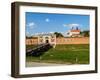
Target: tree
(85, 33)
(28, 37)
(58, 34)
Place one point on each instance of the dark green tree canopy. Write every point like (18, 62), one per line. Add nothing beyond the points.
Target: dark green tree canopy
(85, 33)
(58, 34)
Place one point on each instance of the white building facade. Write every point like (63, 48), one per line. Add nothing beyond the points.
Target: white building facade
(47, 38)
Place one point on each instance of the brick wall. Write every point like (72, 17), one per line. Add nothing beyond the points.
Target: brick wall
(81, 40)
(31, 41)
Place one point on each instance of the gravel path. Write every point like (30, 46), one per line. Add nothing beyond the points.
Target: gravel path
(37, 64)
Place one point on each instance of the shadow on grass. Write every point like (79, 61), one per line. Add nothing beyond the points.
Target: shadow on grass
(40, 50)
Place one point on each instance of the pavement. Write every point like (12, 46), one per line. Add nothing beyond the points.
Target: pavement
(38, 64)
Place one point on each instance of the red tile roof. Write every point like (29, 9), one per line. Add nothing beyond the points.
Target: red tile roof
(75, 30)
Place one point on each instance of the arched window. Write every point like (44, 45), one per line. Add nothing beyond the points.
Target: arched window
(46, 38)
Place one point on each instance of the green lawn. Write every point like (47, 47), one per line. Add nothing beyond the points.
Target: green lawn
(64, 54)
(30, 47)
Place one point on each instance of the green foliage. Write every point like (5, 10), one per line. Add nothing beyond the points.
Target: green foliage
(85, 33)
(28, 47)
(58, 34)
(27, 37)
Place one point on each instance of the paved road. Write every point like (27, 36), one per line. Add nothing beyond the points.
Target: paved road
(37, 64)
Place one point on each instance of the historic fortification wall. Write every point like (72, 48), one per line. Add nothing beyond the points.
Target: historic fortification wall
(82, 40)
(77, 40)
(32, 41)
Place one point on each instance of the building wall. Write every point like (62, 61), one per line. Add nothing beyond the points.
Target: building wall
(32, 41)
(51, 39)
(77, 40)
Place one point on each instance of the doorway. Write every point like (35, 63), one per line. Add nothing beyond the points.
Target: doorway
(47, 41)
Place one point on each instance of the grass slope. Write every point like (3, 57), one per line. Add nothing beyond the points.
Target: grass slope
(64, 54)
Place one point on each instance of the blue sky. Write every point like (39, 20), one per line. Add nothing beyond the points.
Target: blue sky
(46, 22)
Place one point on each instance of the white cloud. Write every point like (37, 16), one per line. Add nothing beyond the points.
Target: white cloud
(27, 32)
(71, 25)
(65, 25)
(47, 20)
(51, 32)
(31, 25)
